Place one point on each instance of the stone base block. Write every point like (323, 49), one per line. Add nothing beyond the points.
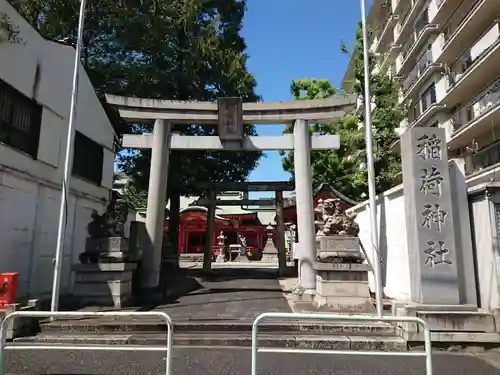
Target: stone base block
(16, 327)
(104, 284)
(446, 318)
(343, 304)
(110, 244)
(342, 287)
(269, 257)
(331, 248)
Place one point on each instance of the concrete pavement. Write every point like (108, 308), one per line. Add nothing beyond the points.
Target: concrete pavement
(197, 361)
(231, 293)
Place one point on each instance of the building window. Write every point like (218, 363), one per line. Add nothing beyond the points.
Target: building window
(428, 97)
(88, 159)
(20, 120)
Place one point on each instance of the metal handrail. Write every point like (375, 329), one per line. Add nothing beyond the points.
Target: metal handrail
(427, 353)
(87, 314)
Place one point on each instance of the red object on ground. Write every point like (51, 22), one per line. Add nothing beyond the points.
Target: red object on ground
(8, 288)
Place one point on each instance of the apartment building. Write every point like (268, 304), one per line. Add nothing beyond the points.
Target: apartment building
(446, 56)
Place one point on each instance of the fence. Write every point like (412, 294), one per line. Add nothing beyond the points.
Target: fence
(74, 314)
(356, 318)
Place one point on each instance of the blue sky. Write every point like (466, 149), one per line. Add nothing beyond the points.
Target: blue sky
(293, 39)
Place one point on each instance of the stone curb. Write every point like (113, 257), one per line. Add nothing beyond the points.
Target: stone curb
(278, 341)
(100, 326)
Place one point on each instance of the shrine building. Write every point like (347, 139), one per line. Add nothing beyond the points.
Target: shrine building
(248, 221)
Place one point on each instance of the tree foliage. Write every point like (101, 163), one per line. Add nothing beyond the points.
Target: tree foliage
(344, 168)
(134, 197)
(168, 49)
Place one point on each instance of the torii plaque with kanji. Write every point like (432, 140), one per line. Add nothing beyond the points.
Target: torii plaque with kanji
(230, 124)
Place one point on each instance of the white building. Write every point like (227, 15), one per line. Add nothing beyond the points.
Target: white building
(446, 56)
(35, 91)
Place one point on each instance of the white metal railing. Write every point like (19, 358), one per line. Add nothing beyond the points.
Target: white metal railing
(75, 314)
(427, 353)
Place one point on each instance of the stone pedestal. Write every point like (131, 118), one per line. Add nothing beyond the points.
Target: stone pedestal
(103, 284)
(342, 287)
(339, 249)
(220, 258)
(270, 252)
(109, 249)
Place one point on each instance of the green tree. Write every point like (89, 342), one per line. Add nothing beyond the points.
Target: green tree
(169, 49)
(134, 197)
(343, 168)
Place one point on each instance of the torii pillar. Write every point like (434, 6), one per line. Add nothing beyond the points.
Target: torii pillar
(157, 197)
(305, 205)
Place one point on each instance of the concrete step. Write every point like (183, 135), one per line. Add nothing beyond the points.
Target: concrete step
(459, 321)
(101, 325)
(381, 343)
(191, 257)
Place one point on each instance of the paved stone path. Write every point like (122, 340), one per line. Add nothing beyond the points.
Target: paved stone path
(230, 294)
(235, 362)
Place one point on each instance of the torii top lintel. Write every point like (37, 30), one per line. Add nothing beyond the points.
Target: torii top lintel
(321, 110)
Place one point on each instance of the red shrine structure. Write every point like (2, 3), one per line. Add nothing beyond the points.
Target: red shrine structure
(193, 223)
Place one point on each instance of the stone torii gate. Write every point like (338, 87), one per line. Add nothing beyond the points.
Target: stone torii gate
(230, 114)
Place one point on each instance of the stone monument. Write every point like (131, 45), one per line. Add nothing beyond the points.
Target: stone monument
(104, 276)
(436, 277)
(270, 253)
(341, 274)
(428, 208)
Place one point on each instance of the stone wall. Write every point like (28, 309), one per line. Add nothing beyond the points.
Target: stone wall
(392, 242)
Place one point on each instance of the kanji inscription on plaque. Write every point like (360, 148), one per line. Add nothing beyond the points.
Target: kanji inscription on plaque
(230, 122)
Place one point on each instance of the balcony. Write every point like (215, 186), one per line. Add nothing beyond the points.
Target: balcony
(417, 71)
(406, 48)
(468, 121)
(445, 9)
(420, 117)
(389, 56)
(465, 26)
(474, 69)
(484, 158)
(396, 7)
(409, 16)
(419, 74)
(386, 35)
(415, 42)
